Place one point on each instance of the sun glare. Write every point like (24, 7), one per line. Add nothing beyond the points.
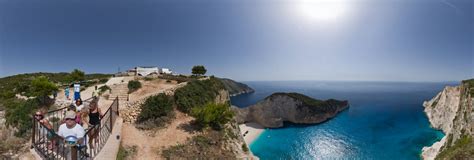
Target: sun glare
(322, 10)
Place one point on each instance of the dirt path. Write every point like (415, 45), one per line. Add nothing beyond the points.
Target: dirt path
(149, 147)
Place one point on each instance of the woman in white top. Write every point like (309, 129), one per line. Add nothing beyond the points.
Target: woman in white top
(78, 104)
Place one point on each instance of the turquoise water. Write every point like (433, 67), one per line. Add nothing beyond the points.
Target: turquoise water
(385, 120)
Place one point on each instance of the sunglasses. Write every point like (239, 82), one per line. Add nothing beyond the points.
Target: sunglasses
(72, 119)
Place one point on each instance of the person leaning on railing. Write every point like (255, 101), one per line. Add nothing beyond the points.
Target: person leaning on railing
(45, 128)
(95, 115)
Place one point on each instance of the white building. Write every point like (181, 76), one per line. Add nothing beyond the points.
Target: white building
(166, 71)
(145, 71)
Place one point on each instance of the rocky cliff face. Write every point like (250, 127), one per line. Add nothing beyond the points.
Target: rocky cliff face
(291, 107)
(451, 111)
(235, 88)
(236, 140)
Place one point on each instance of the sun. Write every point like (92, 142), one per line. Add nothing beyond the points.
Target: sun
(322, 10)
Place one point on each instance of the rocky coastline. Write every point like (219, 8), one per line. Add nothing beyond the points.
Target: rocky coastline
(451, 111)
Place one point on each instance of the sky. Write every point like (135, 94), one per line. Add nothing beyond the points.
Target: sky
(246, 40)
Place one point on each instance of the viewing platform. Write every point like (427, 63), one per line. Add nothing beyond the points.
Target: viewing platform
(47, 144)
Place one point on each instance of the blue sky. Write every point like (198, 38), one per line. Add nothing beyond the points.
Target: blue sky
(374, 40)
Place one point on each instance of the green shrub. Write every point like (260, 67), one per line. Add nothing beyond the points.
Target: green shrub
(213, 115)
(103, 80)
(197, 93)
(173, 150)
(179, 78)
(156, 110)
(103, 89)
(134, 86)
(147, 78)
(245, 148)
(463, 148)
(18, 114)
(208, 145)
(126, 152)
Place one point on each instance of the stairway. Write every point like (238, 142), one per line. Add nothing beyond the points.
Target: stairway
(120, 91)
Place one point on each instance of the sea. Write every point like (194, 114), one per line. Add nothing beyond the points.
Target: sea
(385, 121)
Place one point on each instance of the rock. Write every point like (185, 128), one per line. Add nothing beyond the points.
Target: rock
(292, 107)
(450, 111)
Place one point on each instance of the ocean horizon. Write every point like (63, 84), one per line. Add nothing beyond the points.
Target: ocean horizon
(385, 120)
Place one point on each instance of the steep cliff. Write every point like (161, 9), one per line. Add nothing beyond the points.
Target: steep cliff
(292, 107)
(235, 88)
(451, 111)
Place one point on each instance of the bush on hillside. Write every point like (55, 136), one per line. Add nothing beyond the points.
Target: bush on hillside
(208, 145)
(103, 80)
(103, 89)
(212, 115)
(148, 78)
(197, 93)
(126, 152)
(245, 148)
(41, 87)
(18, 114)
(134, 86)
(463, 148)
(156, 111)
(178, 78)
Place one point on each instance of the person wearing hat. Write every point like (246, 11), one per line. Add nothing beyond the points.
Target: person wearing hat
(71, 128)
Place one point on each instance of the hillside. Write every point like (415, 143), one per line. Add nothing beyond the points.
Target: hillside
(235, 88)
(20, 84)
(183, 133)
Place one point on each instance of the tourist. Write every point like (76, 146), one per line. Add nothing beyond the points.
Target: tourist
(71, 128)
(55, 94)
(72, 133)
(78, 104)
(95, 93)
(84, 117)
(45, 129)
(66, 92)
(95, 115)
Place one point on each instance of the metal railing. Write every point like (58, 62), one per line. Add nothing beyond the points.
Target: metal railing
(50, 145)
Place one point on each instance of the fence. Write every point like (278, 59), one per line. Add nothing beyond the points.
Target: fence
(49, 145)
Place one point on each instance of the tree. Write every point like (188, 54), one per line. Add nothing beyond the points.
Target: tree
(213, 115)
(199, 70)
(41, 88)
(77, 76)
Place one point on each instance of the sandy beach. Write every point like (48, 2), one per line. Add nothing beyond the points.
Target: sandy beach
(252, 130)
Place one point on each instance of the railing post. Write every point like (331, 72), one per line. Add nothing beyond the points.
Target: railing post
(117, 108)
(110, 119)
(73, 153)
(33, 134)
